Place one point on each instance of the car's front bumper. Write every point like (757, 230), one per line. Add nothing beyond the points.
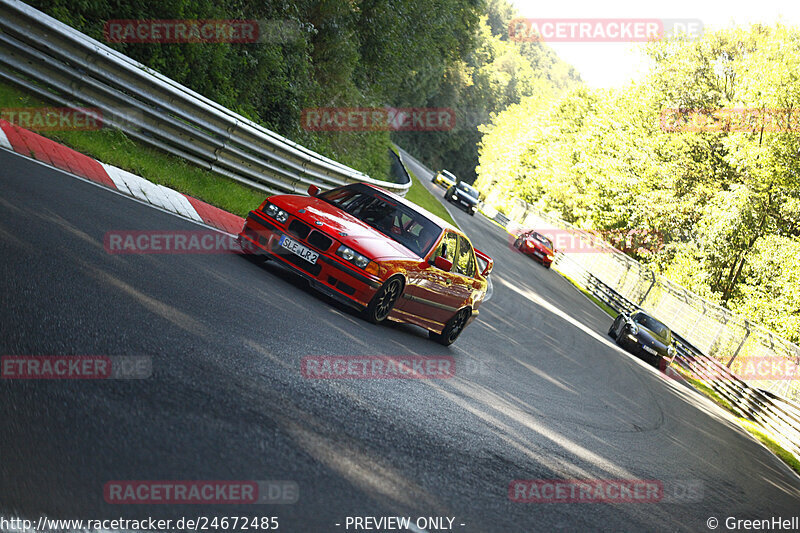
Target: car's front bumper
(466, 205)
(329, 275)
(632, 344)
(537, 255)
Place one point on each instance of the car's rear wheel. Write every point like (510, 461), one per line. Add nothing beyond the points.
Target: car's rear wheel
(452, 329)
(383, 302)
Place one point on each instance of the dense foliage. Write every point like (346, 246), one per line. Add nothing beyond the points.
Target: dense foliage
(345, 53)
(727, 202)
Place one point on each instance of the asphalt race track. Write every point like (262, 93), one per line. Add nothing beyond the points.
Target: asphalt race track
(540, 391)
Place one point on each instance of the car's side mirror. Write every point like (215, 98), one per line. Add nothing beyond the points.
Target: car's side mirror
(485, 259)
(313, 190)
(443, 263)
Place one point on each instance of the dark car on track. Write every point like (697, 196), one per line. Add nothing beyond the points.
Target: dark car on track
(464, 196)
(376, 252)
(537, 246)
(643, 336)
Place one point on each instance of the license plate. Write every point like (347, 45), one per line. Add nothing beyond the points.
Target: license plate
(649, 350)
(464, 203)
(299, 250)
(538, 254)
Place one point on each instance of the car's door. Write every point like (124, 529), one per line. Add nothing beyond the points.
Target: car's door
(464, 267)
(433, 294)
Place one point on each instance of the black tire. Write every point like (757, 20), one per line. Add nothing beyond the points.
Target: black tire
(547, 265)
(452, 329)
(612, 330)
(382, 303)
(621, 338)
(517, 243)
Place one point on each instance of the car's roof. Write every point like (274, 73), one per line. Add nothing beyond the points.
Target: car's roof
(411, 205)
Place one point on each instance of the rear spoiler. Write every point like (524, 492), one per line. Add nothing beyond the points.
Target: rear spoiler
(486, 261)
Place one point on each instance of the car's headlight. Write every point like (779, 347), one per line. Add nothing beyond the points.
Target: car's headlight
(671, 350)
(353, 257)
(634, 328)
(276, 212)
(455, 197)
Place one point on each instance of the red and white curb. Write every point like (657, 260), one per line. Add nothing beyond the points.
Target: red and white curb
(52, 153)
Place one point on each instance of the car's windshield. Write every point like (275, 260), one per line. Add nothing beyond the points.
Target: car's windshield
(448, 175)
(542, 239)
(468, 189)
(653, 325)
(395, 220)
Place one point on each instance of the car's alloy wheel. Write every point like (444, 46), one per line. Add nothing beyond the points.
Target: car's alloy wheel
(452, 329)
(382, 303)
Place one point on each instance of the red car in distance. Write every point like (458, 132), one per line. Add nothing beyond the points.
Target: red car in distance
(536, 245)
(377, 252)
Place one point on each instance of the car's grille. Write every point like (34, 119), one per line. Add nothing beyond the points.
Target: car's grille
(320, 241)
(298, 229)
(345, 288)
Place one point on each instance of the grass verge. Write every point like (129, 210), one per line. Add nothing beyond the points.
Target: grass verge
(610, 312)
(115, 148)
(770, 443)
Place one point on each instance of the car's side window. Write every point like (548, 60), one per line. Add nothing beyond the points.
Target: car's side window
(447, 248)
(465, 264)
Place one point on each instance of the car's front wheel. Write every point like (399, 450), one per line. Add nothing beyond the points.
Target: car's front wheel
(452, 329)
(382, 303)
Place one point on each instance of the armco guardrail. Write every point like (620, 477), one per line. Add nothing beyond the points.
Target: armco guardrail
(60, 64)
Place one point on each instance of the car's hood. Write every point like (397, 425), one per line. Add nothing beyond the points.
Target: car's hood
(343, 227)
(539, 246)
(649, 338)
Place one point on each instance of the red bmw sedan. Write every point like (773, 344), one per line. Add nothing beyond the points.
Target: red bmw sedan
(537, 246)
(377, 252)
